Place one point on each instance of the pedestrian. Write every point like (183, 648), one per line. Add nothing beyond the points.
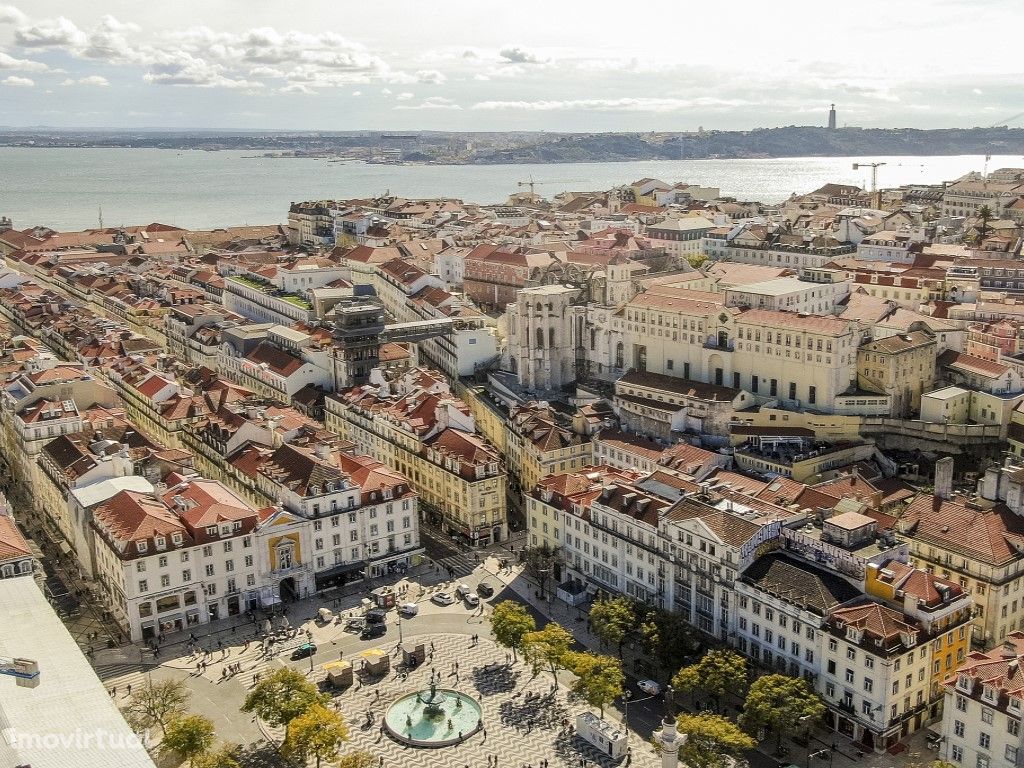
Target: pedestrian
(129, 689)
(254, 678)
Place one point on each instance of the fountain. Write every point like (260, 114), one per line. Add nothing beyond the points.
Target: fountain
(435, 717)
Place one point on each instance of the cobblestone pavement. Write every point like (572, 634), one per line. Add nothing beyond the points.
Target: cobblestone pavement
(522, 717)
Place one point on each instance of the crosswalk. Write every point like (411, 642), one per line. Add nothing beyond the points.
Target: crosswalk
(460, 564)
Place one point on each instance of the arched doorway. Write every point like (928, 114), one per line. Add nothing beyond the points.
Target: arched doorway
(289, 594)
(716, 369)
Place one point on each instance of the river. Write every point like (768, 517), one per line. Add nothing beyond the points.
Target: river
(65, 188)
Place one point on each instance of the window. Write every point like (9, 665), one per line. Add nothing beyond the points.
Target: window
(986, 715)
(984, 740)
(165, 581)
(248, 561)
(851, 654)
(832, 644)
(209, 569)
(162, 562)
(143, 585)
(1012, 726)
(849, 675)
(140, 567)
(869, 662)
(831, 667)
(957, 753)
(869, 684)
(1011, 754)
(186, 575)
(958, 729)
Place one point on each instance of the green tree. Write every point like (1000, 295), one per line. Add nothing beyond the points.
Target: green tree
(282, 696)
(318, 732)
(156, 704)
(188, 736)
(612, 619)
(510, 621)
(547, 648)
(599, 679)
(782, 704)
(358, 759)
(668, 638)
(224, 756)
(711, 740)
(717, 673)
(539, 563)
(985, 214)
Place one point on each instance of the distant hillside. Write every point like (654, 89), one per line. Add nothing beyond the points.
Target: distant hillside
(436, 147)
(770, 142)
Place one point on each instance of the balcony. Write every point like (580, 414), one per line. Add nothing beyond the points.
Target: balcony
(280, 573)
(713, 343)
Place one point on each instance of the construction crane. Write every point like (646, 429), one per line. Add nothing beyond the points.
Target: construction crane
(874, 172)
(531, 183)
(24, 671)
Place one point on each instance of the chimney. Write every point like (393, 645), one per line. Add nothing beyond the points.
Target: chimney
(944, 477)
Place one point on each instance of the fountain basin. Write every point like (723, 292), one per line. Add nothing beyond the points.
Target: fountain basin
(421, 718)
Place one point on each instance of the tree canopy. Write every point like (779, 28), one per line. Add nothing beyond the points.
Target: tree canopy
(358, 759)
(222, 757)
(547, 648)
(599, 679)
(711, 740)
(318, 732)
(156, 704)
(717, 673)
(782, 704)
(282, 696)
(612, 619)
(539, 562)
(188, 736)
(510, 621)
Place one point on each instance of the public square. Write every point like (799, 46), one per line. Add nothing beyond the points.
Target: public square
(523, 719)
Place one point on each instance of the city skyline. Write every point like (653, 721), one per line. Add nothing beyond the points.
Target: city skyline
(477, 67)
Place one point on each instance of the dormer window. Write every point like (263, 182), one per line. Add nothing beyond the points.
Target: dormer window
(211, 530)
(330, 487)
(160, 542)
(314, 490)
(236, 526)
(176, 538)
(964, 682)
(990, 693)
(387, 493)
(854, 634)
(909, 639)
(141, 546)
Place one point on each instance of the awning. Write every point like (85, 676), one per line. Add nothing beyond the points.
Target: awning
(374, 653)
(336, 666)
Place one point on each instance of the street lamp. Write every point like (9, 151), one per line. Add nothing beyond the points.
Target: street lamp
(625, 711)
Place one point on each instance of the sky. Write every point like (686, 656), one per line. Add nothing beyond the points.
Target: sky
(557, 65)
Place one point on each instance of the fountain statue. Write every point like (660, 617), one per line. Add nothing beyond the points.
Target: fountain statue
(431, 717)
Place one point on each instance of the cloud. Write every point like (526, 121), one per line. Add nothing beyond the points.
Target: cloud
(431, 76)
(631, 104)
(58, 33)
(182, 69)
(17, 82)
(11, 15)
(404, 96)
(517, 55)
(97, 80)
(357, 93)
(434, 102)
(25, 65)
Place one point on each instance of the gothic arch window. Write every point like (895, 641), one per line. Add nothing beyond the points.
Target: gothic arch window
(551, 338)
(619, 353)
(540, 338)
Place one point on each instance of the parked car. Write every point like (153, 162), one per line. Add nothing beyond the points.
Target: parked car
(303, 651)
(462, 590)
(485, 590)
(371, 631)
(650, 687)
(471, 599)
(409, 609)
(442, 598)
(376, 616)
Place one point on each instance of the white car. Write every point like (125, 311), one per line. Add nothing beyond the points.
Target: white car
(408, 609)
(442, 598)
(471, 599)
(650, 687)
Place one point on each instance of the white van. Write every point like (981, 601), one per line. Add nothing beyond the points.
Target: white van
(462, 590)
